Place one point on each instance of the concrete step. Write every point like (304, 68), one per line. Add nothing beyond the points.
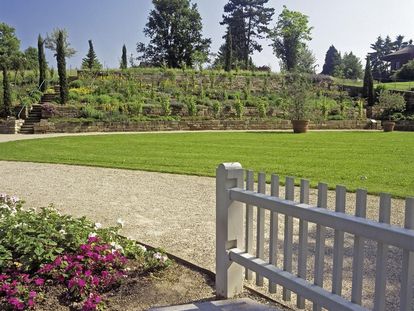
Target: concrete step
(244, 304)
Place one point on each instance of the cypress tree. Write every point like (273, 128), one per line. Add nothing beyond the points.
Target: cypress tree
(124, 61)
(368, 88)
(7, 102)
(91, 61)
(332, 61)
(42, 64)
(228, 57)
(61, 63)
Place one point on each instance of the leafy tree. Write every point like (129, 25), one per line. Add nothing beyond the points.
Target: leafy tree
(61, 64)
(175, 32)
(352, 67)
(228, 57)
(332, 60)
(91, 61)
(248, 21)
(51, 42)
(30, 55)
(306, 60)
(9, 46)
(124, 61)
(368, 87)
(288, 36)
(42, 63)
(17, 63)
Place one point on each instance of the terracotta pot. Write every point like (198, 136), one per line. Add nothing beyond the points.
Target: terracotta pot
(388, 126)
(300, 126)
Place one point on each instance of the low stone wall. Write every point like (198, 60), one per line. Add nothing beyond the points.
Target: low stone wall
(10, 126)
(404, 126)
(188, 125)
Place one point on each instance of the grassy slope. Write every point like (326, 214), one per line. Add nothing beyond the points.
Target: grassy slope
(379, 162)
(402, 86)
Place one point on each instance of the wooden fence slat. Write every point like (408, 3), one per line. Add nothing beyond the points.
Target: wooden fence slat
(382, 251)
(261, 188)
(320, 241)
(407, 278)
(274, 230)
(303, 240)
(338, 251)
(358, 260)
(288, 234)
(249, 221)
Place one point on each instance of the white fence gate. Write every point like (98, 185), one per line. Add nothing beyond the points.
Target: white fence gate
(234, 241)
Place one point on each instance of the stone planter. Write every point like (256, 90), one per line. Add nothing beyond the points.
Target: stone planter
(388, 126)
(300, 126)
(10, 126)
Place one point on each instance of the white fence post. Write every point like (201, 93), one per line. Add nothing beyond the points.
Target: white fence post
(229, 230)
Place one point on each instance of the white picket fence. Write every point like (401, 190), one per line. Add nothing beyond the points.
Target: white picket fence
(234, 241)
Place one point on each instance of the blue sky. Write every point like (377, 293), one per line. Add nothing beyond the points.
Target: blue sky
(350, 25)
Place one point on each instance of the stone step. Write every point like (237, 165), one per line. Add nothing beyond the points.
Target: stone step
(244, 304)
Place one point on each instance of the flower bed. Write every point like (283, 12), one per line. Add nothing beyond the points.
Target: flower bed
(43, 249)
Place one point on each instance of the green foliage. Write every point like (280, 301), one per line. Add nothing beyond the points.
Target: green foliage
(351, 66)
(216, 108)
(76, 84)
(52, 42)
(288, 36)
(124, 62)
(406, 72)
(247, 21)
(165, 105)
(91, 61)
(297, 91)
(332, 60)
(368, 87)
(89, 111)
(228, 56)
(61, 63)
(391, 103)
(239, 107)
(262, 106)
(175, 32)
(190, 102)
(7, 98)
(42, 64)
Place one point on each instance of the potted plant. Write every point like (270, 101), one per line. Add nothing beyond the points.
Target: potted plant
(390, 103)
(297, 94)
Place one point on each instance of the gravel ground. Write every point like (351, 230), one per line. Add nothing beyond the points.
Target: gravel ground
(175, 212)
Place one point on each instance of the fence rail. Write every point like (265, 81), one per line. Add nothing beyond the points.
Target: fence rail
(235, 241)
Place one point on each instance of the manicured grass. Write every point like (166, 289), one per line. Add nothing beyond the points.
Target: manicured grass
(379, 162)
(402, 86)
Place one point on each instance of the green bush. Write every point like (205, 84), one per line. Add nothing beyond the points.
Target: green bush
(165, 105)
(239, 107)
(90, 112)
(216, 108)
(406, 72)
(390, 103)
(76, 84)
(104, 99)
(190, 102)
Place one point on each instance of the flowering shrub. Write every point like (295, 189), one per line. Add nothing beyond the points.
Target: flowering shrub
(41, 248)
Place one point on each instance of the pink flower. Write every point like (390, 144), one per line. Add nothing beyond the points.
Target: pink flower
(39, 282)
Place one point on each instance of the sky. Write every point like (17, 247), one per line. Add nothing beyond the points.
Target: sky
(350, 25)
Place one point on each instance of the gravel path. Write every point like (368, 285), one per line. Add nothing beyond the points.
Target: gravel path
(175, 212)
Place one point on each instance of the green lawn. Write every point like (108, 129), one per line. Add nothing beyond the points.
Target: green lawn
(379, 162)
(402, 86)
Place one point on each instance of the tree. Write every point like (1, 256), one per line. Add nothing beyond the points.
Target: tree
(248, 21)
(228, 56)
(290, 32)
(9, 46)
(383, 47)
(51, 42)
(124, 61)
(406, 72)
(61, 64)
(306, 60)
(175, 32)
(352, 67)
(368, 87)
(42, 63)
(332, 60)
(91, 61)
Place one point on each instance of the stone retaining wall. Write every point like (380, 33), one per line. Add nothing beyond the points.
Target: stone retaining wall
(10, 126)
(189, 125)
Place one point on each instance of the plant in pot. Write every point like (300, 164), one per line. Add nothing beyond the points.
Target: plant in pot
(390, 103)
(297, 91)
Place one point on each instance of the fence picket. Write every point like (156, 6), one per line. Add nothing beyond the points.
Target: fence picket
(320, 241)
(303, 240)
(358, 260)
(288, 238)
(260, 226)
(407, 278)
(382, 251)
(249, 221)
(274, 231)
(338, 251)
